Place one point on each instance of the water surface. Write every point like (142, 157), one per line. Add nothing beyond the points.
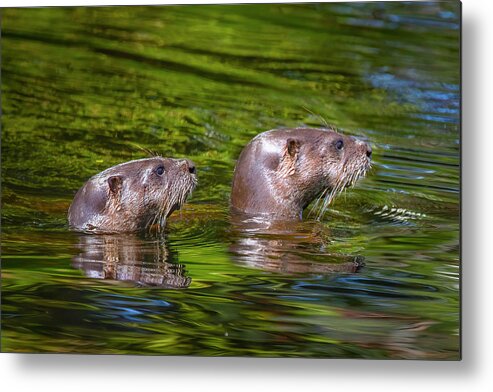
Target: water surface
(87, 88)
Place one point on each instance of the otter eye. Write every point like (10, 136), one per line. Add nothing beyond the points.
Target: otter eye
(339, 144)
(160, 170)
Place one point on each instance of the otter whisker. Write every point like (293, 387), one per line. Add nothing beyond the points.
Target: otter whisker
(317, 115)
(328, 199)
(317, 202)
(154, 220)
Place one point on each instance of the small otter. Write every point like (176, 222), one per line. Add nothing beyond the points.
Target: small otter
(280, 172)
(132, 196)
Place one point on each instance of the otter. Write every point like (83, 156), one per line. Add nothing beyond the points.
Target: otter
(132, 196)
(281, 171)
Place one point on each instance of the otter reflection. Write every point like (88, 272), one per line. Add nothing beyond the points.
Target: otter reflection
(127, 257)
(286, 247)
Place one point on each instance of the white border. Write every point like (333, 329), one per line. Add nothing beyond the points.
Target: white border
(473, 373)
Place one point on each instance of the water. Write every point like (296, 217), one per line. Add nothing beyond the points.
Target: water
(87, 88)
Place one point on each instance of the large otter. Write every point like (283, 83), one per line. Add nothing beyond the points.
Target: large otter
(280, 172)
(132, 196)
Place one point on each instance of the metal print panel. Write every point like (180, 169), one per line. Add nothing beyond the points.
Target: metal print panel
(266, 180)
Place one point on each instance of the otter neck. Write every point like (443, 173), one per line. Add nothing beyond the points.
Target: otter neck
(276, 199)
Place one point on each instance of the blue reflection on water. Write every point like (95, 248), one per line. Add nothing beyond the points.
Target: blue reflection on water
(115, 306)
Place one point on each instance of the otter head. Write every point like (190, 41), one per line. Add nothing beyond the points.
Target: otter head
(133, 196)
(280, 172)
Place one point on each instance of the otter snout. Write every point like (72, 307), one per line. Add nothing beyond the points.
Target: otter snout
(189, 166)
(365, 147)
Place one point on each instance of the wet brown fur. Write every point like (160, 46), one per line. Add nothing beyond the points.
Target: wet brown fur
(132, 196)
(280, 172)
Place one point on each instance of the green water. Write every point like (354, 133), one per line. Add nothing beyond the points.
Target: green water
(86, 88)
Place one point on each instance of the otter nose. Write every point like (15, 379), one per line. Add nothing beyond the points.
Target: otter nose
(190, 166)
(364, 147)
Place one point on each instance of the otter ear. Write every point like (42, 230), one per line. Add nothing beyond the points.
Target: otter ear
(287, 165)
(115, 183)
(293, 147)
